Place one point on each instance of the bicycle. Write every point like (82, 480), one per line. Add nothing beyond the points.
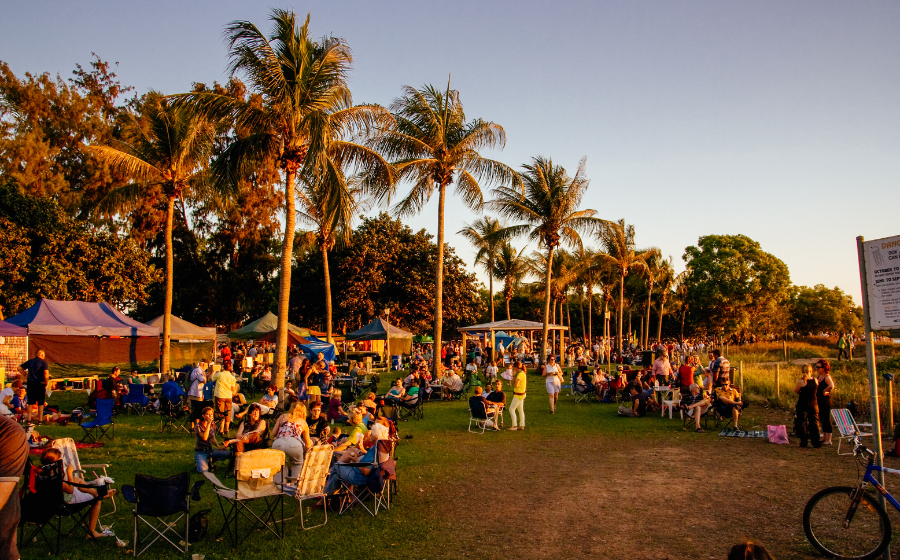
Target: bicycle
(838, 527)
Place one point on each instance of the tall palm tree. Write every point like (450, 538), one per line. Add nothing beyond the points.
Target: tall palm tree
(550, 211)
(564, 272)
(666, 281)
(681, 291)
(329, 208)
(433, 146)
(654, 263)
(511, 266)
(301, 116)
(619, 251)
(169, 152)
(486, 235)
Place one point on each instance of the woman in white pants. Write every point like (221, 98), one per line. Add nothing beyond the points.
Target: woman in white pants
(553, 376)
(292, 437)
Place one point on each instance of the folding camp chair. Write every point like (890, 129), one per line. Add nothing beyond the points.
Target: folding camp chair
(102, 426)
(375, 488)
(311, 483)
(687, 420)
(69, 452)
(256, 472)
(172, 414)
(477, 416)
(44, 505)
(414, 410)
(161, 503)
(847, 426)
(136, 401)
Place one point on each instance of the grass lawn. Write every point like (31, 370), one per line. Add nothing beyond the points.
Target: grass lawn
(582, 482)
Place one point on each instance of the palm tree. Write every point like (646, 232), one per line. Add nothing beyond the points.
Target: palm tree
(301, 116)
(564, 272)
(666, 281)
(511, 266)
(681, 292)
(169, 153)
(487, 236)
(619, 251)
(654, 263)
(329, 208)
(550, 211)
(432, 146)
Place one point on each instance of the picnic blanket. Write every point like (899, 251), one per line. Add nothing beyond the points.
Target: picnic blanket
(744, 433)
(39, 450)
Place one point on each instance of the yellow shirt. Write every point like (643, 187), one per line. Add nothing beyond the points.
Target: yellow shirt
(224, 382)
(731, 393)
(519, 384)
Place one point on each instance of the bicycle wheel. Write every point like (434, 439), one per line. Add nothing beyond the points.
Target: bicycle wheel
(823, 520)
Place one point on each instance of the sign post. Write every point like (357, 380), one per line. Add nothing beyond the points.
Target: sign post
(879, 274)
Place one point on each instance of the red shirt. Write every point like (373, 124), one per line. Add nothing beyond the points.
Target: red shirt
(686, 375)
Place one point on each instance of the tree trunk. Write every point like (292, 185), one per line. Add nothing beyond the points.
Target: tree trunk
(327, 295)
(683, 313)
(507, 309)
(547, 277)
(649, 301)
(284, 291)
(439, 283)
(491, 289)
(568, 316)
(662, 312)
(581, 308)
(590, 323)
(619, 314)
(170, 276)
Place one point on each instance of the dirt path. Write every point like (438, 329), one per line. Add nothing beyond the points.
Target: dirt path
(613, 496)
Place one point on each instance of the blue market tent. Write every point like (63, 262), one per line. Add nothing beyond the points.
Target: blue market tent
(314, 346)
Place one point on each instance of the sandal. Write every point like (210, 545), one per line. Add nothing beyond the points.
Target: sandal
(700, 431)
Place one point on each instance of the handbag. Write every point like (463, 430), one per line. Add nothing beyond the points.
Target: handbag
(778, 434)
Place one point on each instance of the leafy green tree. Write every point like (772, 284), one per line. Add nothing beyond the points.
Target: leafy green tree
(302, 119)
(486, 235)
(433, 146)
(46, 254)
(46, 124)
(820, 309)
(732, 282)
(511, 266)
(549, 210)
(168, 154)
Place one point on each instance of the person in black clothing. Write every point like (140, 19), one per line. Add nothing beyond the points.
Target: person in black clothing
(318, 424)
(38, 371)
(497, 395)
(823, 397)
(807, 425)
(638, 403)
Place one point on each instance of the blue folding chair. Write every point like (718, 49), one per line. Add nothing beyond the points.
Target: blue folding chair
(136, 401)
(102, 424)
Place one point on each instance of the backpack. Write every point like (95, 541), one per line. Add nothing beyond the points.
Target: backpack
(199, 525)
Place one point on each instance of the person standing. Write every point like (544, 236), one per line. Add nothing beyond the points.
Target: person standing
(38, 371)
(226, 387)
(13, 456)
(553, 378)
(823, 398)
(518, 401)
(807, 427)
(842, 347)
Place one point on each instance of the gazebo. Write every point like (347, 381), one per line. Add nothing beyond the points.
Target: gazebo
(509, 325)
(188, 343)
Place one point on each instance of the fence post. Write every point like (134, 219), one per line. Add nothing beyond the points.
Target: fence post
(889, 389)
(741, 373)
(784, 346)
(777, 376)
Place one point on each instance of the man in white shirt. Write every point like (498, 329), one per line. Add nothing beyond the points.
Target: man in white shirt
(452, 385)
(6, 395)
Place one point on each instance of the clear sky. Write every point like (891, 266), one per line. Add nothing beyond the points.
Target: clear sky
(778, 120)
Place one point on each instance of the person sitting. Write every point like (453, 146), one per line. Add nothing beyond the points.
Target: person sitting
(292, 436)
(369, 403)
(251, 433)
(394, 394)
(171, 390)
(452, 385)
(638, 406)
(206, 448)
(355, 438)
(728, 401)
(80, 495)
(317, 423)
(290, 395)
(352, 475)
(477, 401)
(6, 396)
(18, 404)
(336, 411)
(694, 404)
(497, 396)
(267, 402)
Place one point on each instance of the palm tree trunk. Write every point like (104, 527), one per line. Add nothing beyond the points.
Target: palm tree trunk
(683, 313)
(649, 300)
(327, 294)
(568, 316)
(662, 312)
(590, 324)
(547, 277)
(491, 289)
(619, 314)
(439, 283)
(170, 275)
(507, 309)
(581, 308)
(284, 290)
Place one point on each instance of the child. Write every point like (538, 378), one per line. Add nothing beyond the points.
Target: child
(79, 494)
(18, 405)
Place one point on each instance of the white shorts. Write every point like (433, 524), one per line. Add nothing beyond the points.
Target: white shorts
(553, 385)
(78, 496)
